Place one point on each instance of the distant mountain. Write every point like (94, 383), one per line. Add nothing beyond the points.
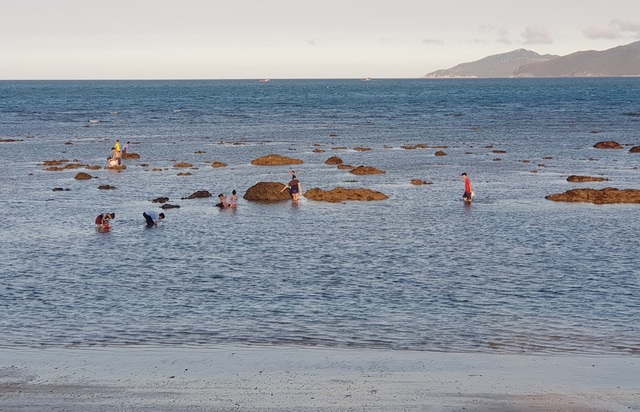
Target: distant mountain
(615, 62)
(498, 65)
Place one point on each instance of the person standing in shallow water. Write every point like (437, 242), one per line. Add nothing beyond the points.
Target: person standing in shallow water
(468, 189)
(295, 188)
(233, 200)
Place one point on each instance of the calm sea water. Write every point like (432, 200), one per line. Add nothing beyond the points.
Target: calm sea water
(510, 273)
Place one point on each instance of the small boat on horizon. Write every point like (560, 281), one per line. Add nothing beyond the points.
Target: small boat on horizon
(366, 79)
(265, 80)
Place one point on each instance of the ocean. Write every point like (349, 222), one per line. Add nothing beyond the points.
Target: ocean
(510, 273)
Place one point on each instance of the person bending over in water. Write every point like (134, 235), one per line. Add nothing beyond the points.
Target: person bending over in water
(295, 188)
(468, 190)
(152, 217)
(102, 221)
(223, 201)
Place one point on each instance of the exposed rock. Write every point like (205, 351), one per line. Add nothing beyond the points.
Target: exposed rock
(339, 148)
(362, 149)
(54, 169)
(366, 170)
(74, 166)
(200, 152)
(580, 179)
(184, 174)
(333, 135)
(59, 189)
(106, 187)
(345, 167)
(68, 142)
(319, 150)
(83, 176)
(160, 199)
(182, 165)
(10, 140)
(275, 160)
(419, 182)
(156, 169)
(168, 206)
(54, 162)
(333, 160)
(93, 167)
(548, 157)
(267, 192)
(499, 151)
(440, 153)
(130, 155)
(601, 196)
(218, 164)
(198, 195)
(608, 145)
(341, 194)
(497, 159)
(635, 149)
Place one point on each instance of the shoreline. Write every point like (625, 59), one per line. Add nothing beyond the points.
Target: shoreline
(293, 379)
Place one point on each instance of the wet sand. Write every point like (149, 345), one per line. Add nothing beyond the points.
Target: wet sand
(297, 379)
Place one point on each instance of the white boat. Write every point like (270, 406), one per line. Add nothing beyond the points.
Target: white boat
(366, 79)
(265, 80)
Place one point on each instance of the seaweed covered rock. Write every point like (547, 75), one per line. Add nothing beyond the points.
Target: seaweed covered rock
(200, 194)
(608, 145)
(597, 196)
(83, 176)
(366, 170)
(582, 179)
(333, 160)
(267, 192)
(275, 160)
(341, 194)
(130, 155)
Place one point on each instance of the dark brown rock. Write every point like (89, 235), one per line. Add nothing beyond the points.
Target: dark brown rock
(341, 194)
(608, 145)
(161, 199)
(597, 196)
(440, 153)
(182, 165)
(581, 179)
(362, 149)
(184, 174)
(218, 164)
(267, 192)
(130, 155)
(106, 187)
(366, 170)
(83, 176)
(168, 206)
(419, 182)
(54, 162)
(333, 160)
(59, 189)
(275, 160)
(345, 167)
(198, 195)
(635, 149)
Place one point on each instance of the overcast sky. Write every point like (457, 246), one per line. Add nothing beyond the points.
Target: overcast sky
(212, 39)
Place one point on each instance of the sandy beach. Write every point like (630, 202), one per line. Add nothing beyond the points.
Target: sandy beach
(298, 379)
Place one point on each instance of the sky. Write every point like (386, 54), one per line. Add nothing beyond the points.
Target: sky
(253, 39)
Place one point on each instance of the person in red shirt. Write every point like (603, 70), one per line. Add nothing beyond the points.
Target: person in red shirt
(468, 189)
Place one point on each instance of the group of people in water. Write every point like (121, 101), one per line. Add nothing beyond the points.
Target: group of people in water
(117, 153)
(294, 187)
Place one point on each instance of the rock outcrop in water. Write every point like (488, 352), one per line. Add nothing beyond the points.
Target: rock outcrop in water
(83, 176)
(366, 170)
(635, 149)
(608, 145)
(597, 196)
(275, 160)
(130, 155)
(582, 179)
(333, 160)
(218, 164)
(200, 194)
(267, 192)
(341, 194)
